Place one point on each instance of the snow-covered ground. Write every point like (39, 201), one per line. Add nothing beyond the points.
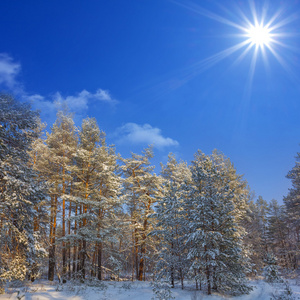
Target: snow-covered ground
(43, 290)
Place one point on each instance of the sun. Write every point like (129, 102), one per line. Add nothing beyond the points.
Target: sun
(260, 31)
(259, 35)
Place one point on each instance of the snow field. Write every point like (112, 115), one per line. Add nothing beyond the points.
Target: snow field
(43, 290)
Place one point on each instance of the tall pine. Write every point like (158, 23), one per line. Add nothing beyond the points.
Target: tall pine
(20, 191)
(170, 227)
(214, 238)
(142, 188)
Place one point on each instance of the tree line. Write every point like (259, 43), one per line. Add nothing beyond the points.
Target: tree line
(68, 201)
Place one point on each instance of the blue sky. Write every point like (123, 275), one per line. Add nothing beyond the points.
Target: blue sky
(150, 72)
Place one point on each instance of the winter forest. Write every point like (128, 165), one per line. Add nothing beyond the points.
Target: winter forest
(73, 210)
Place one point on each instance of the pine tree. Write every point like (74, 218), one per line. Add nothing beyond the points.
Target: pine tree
(37, 147)
(257, 228)
(271, 271)
(142, 188)
(278, 235)
(292, 203)
(214, 240)
(40, 221)
(96, 192)
(55, 165)
(237, 184)
(170, 229)
(20, 192)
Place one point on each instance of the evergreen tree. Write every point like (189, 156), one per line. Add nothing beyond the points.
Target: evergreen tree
(96, 192)
(40, 220)
(170, 229)
(214, 240)
(257, 229)
(278, 235)
(271, 271)
(292, 203)
(55, 165)
(37, 148)
(20, 192)
(142, 188)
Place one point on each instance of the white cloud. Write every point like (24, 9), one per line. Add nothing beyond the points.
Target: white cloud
(144, 134)
(103, 95)
(8, 71)
(80, 101)
(75, 103)
(39, 102)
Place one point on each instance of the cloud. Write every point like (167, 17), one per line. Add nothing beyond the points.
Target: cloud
(75, 103)
(144, 134)
(8, 71)
(80, 101)
(47, 107)
(103, 95)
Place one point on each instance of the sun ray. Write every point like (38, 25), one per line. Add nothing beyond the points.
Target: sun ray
(284, 22)
(253, 11)
(194, 70)
(243, 54)
(264, 12)
(248, 90)
(273, 18)
(199, 67)
(261, 32)
(281, 60)
(258, 32)
(283, 45)
(247, 21)
(201, 11)
(264, 55)
(212, 60)
(245, 48)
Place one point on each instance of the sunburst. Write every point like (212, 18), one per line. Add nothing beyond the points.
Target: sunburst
(266, 34)
(259, 35)
(263, 33)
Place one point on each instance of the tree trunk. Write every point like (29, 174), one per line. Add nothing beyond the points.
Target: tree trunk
(69, 244)
(64, 252)
(75, 247)
(215, 286)
(51, 269)
(136, 254)
(143, 252)
(79, 259)
(208, 281)
(99, 268)
(207, 274)
(51, 262)
(74, 260)
(143, 243)
(172, 267)
(181, 278)
(133, 256)
(142, 260)
(83, 256)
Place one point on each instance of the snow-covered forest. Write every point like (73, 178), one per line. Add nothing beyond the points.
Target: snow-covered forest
(73, 209)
